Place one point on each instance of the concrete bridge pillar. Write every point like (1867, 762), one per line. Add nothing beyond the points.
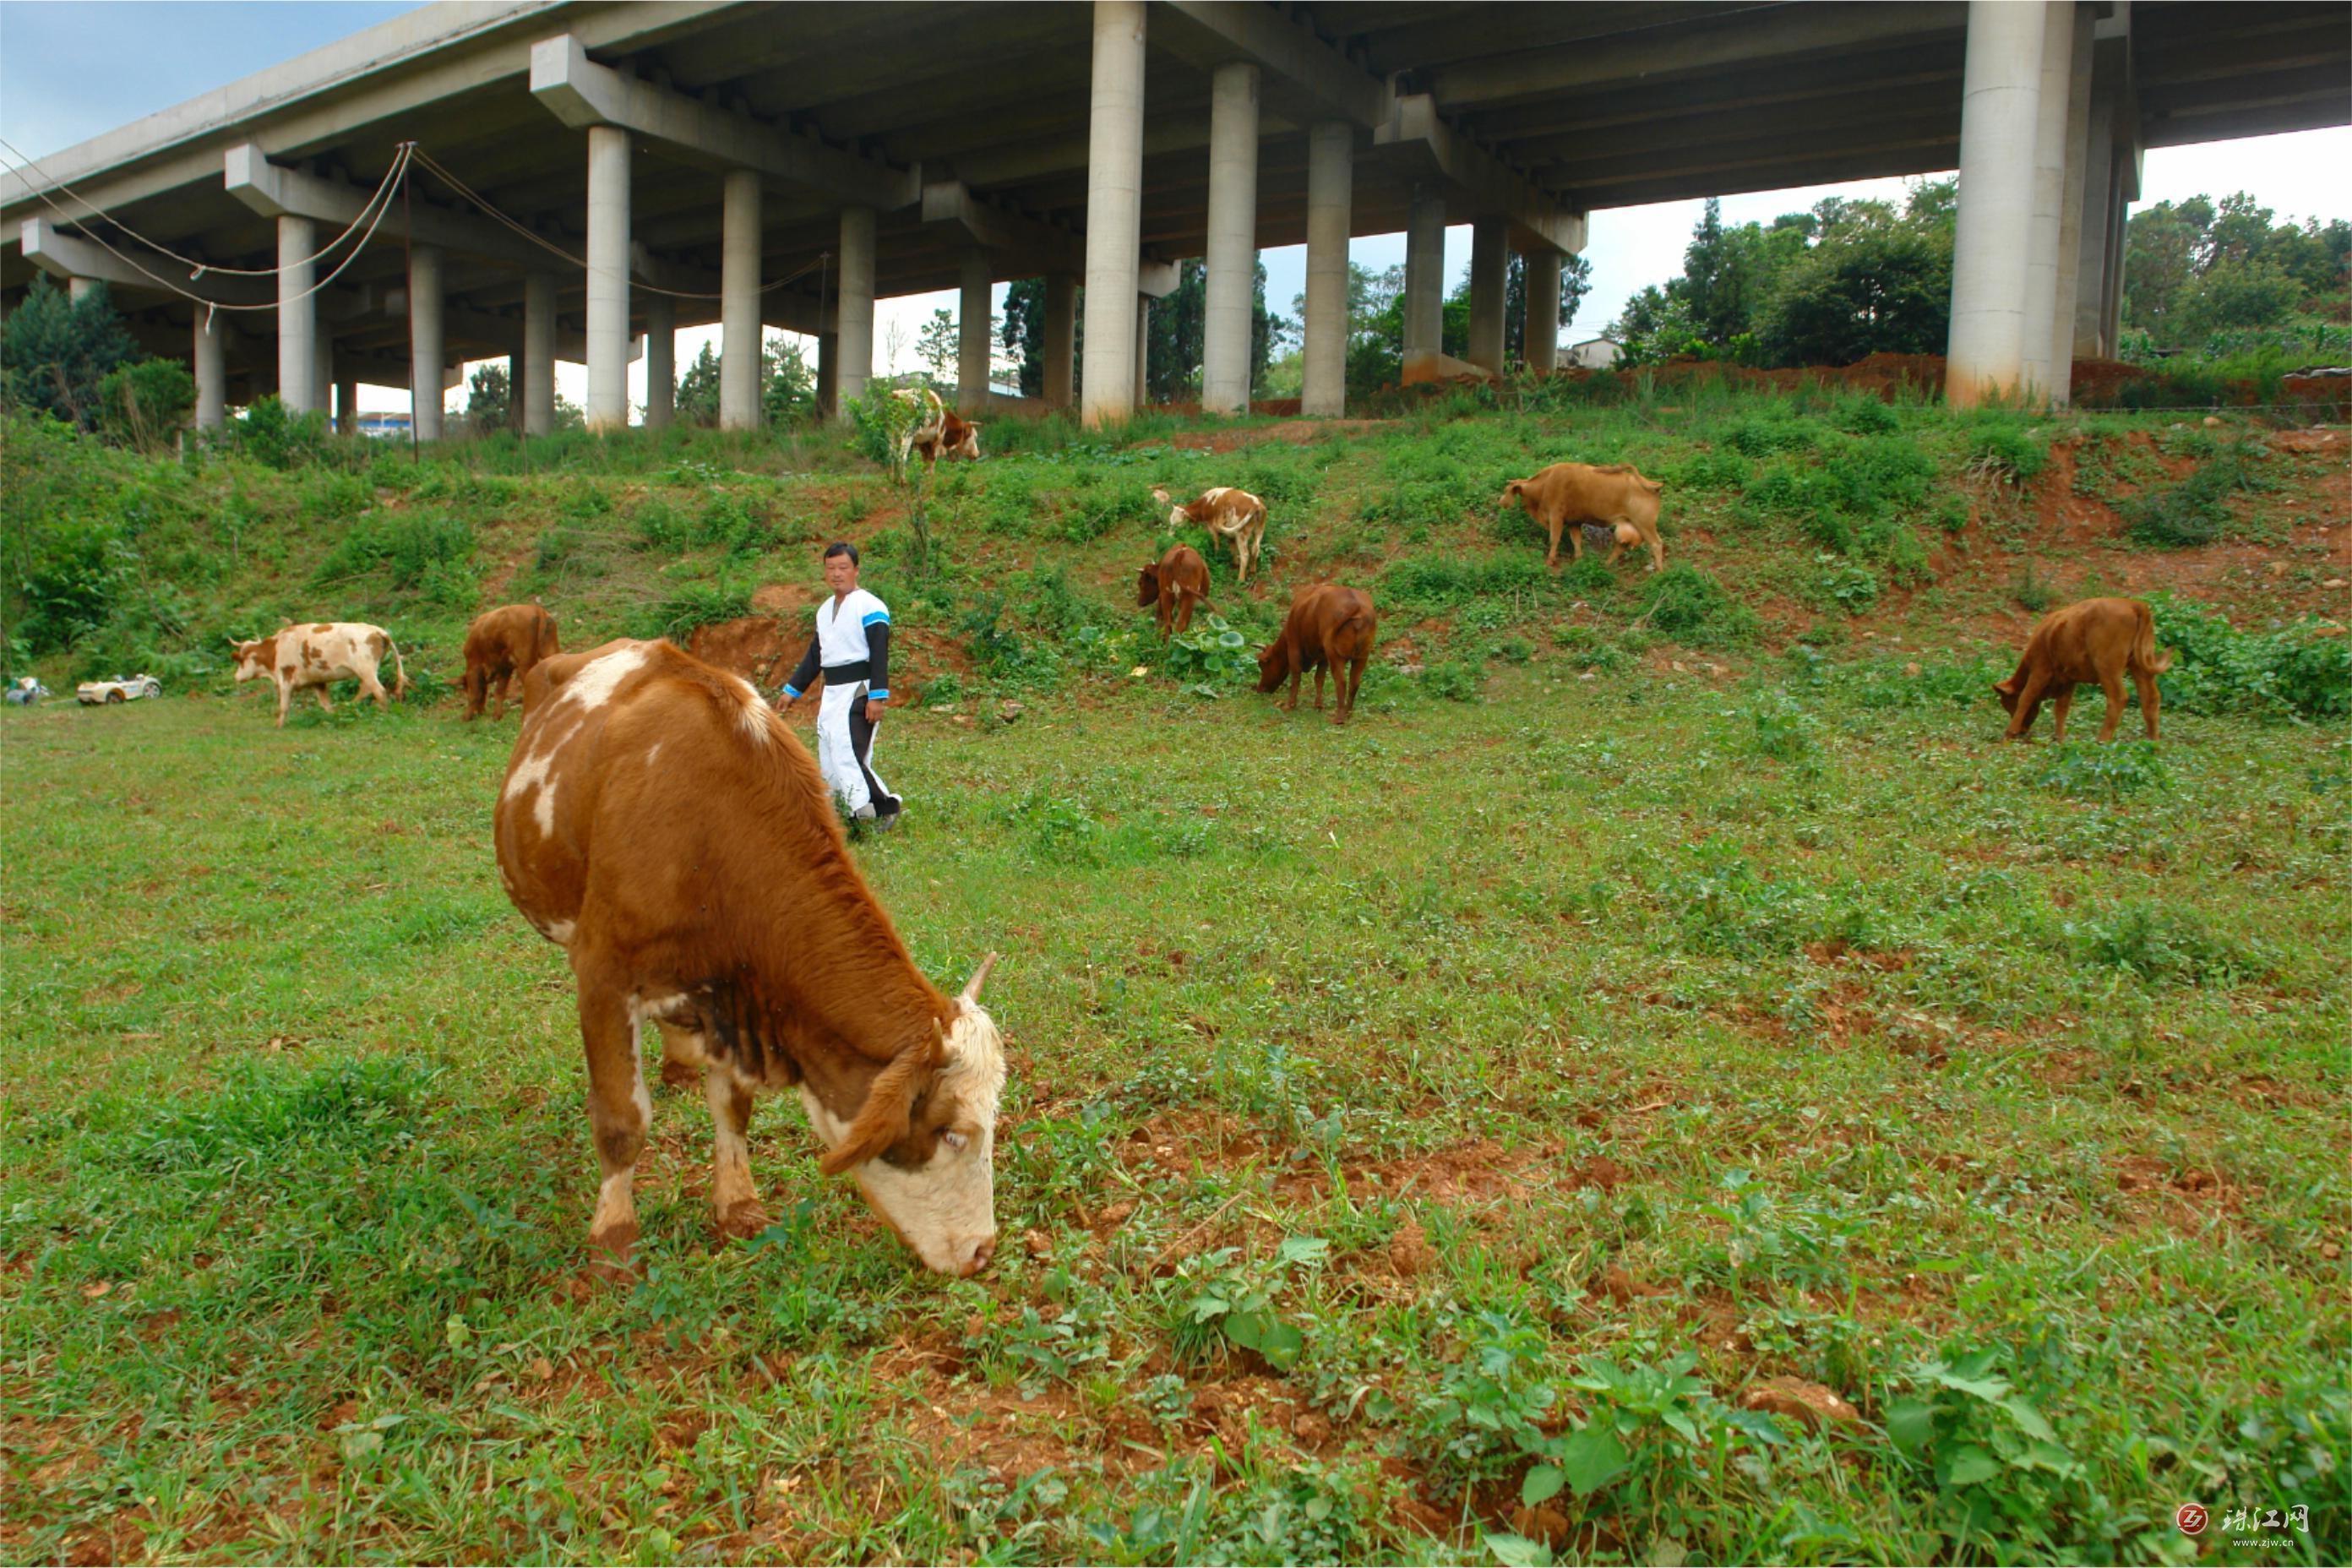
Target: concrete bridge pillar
(2070, 207)
(608, 278)
(1114, 213)
(855, 323)
(323, 374)
(2041, 264)
(297, 314)
(974, 324)
(1061, 339)
(1424, 287)
(347, 407)
(2089, 318)
(1490, 264)
(1228, 310)
(1540, 332)
(1330, 194)
(738, 301)
(2000, 113)
(2110, 295)
(661, 360)
(210, 366)
(518, 374)
(426, 341)
(537, 394)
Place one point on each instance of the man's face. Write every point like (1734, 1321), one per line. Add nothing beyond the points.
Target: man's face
(840, 574)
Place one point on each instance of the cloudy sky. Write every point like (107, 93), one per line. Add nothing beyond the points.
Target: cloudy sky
(71, 69)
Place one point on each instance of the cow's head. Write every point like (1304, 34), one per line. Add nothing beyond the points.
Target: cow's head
(1273, 666)
(1176, 518)
(1146, 587)
(923, 1148)
(2007, 691)
(968, 444)
(1513, 492)
(254, 658)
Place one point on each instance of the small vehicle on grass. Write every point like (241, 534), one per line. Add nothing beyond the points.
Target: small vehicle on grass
(118, 689)
(24, 692)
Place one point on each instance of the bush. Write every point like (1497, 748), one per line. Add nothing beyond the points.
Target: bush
(1690, 606)
(2157, 941)
(2194, 511)
(1456, 680)
(658, 525)
(2006, 453)
(414, 547)
(692, 604)
(1852, 588)
(2302, 671)
(270, 436)
(145, 405)
(1719, 469)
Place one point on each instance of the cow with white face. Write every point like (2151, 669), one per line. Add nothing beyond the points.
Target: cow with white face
(662, 825)
(316, 654)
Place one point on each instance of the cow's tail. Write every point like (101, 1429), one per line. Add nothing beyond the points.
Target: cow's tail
(399, 671)
(2144, 651)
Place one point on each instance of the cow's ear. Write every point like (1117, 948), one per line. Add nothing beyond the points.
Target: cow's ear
(889, 1110)
(2006, 688)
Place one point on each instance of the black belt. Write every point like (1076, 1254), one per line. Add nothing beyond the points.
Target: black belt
(842, 674)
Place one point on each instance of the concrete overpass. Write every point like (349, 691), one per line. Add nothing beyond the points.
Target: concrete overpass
(587, 171)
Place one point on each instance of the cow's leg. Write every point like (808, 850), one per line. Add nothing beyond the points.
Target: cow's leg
(319, 690)
(1290, 700)
(2148, 700)
(370, 687)
(507, 678)
(1355, 684)
(1184, 614)
(2111, 681)
(1241, 558)
(1616, 545)
(285, 695)
(476, 683)
(732, 1195)
(619, 1111)
(1318, 686)
(2029, 703)
(2060, 705)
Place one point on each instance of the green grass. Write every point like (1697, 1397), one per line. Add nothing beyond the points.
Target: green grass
(1482, 1097)
(1423, 1137)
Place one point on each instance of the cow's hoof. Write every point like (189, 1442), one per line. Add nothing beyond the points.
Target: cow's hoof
(677, 1075)
(744, 1221)
(612, 1255)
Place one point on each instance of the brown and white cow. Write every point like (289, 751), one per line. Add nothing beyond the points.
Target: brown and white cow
(937, 431)
(2096, 639)
(1176, 582)
(501, 646)
(1327, 626)
(1235, 516)
(316, 655)
(663, 826)
(1614, 496)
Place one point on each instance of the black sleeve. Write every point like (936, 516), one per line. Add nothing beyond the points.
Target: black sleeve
(877, 660)
(805, 672)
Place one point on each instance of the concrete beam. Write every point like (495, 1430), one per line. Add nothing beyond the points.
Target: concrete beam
(274, 191)
(1490, 187)
(68, 256)
(1022, 246)
(1210, 33)
(582, 93)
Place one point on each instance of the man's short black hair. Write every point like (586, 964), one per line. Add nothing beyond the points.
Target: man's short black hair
(842, 547)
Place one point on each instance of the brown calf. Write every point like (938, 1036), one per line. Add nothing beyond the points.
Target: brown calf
(1235, 516)
(662, 826)
(1614, 495)
(501, 646)
(1327, 624)
(1176, 582)
(2098, 639)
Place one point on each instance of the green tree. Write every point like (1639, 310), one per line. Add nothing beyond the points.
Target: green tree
(789, 394)
(1875, 285)
(937, 345)
(55, 350)
(490, 399)
(698, 390)
(144, 404)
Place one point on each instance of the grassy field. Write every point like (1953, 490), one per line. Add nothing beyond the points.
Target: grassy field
(1491, 1131)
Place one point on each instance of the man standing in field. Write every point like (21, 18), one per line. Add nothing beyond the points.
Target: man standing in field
(852, 647)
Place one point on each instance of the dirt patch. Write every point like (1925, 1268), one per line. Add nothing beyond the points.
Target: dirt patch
(2183, 1198)
(752, 647)
(1296, 432)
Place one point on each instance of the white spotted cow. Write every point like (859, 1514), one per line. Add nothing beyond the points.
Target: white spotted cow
(317, 654)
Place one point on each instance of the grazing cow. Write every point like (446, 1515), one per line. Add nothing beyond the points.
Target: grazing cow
(662, 826)
(1235, 516)
(1176, 582)
(319, 653)
(501, 646)
(937, 432)
(1612, 495)
(2098, 639)
(1327, 624)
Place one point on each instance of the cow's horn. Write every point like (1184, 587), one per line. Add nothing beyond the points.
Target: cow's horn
(979, 978)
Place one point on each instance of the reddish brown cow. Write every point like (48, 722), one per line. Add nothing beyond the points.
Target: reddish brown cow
(1176, 582)
(1327, 624)
(1614, 496)
(1235, 516)
(501, 646)
(2097, 639)
(661, 824)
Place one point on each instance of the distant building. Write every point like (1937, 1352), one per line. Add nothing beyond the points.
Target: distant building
(380, 426)
(1596, 354)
